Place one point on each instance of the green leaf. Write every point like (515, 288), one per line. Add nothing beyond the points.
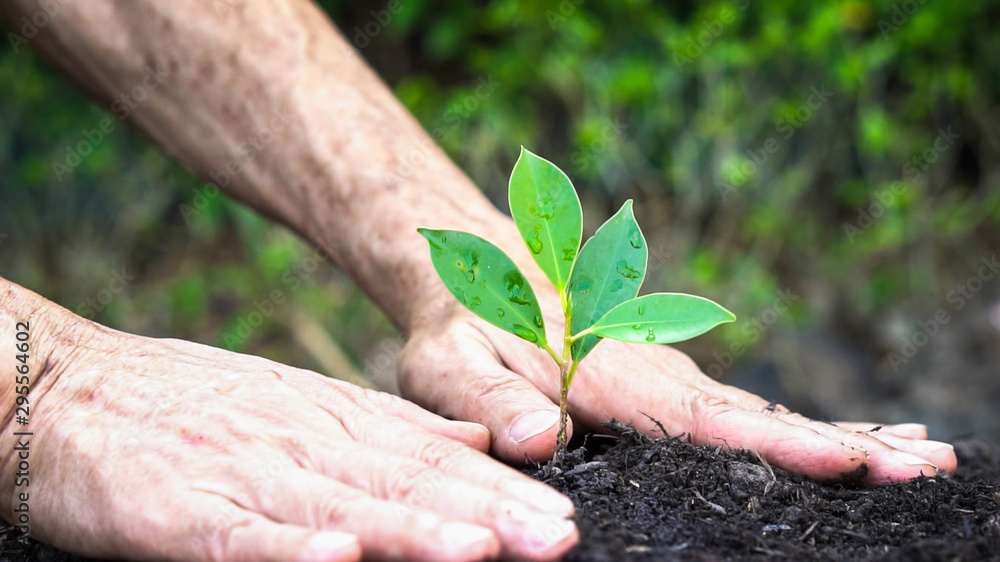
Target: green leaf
(487, 282)
(661, 318)
(547, 213)
(608, 272)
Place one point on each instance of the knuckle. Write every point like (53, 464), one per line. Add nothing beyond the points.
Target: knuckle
(439, 452)
(221, 538)
(330, 511)
(401, 481)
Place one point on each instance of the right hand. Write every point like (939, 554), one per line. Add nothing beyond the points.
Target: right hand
(166, 449)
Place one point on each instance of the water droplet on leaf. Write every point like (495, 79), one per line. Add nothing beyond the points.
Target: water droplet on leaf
(635, 239)
(525, 332)
(625, 271)
(569, 254)
(535, 245)
(650, 336)
(515, 288)
(616, 285)
(476, 301)
(544, 209)
(641, 310)
(583, 284)
(500, 313)
(535, 242)
(636, 326)
(537, 321)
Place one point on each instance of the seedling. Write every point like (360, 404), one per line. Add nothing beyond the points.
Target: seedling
(598, 284)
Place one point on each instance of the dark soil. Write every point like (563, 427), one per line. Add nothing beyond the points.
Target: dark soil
(664, 499)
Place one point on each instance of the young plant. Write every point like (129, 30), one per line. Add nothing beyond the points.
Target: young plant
(598, 284)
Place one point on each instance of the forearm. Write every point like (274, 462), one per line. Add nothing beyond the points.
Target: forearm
(270, 98)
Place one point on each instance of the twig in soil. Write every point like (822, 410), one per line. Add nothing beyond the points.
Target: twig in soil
(657, 422)
(767, 466)
(715, 507)
(808, 532)
(586, 467)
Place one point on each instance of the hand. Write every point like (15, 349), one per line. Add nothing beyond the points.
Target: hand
(464, 368)
(165, 449)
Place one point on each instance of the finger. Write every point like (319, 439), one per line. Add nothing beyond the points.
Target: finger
(524, 531)
(244, 535)
(451, 458)
(329, 394)
(464, 380)
(885, 462)
(793, 447)
(713, 413)
(908, 430)
(385, 529)
(799, 444)
(264, 540)
(473, 434)
(937, 453)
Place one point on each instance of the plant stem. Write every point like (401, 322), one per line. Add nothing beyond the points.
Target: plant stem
(566, 369)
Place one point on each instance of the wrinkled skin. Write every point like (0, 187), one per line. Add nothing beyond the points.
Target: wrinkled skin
(165, 449)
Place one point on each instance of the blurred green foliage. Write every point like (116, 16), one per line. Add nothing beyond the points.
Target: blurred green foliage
(754, 136)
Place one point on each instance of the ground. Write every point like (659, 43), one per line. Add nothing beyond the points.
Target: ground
(664, 499)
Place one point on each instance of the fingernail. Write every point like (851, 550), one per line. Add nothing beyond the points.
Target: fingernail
(939, 446)
(458, 536)
(543, 531)
(910, 460)
(907, 429)
(326, 545)
(928, 447)
(531, 424)
(471, 425)
(540, 496)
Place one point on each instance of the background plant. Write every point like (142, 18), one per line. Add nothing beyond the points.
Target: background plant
(597, 284)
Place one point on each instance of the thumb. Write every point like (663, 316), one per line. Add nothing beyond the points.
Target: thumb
(457, 375)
